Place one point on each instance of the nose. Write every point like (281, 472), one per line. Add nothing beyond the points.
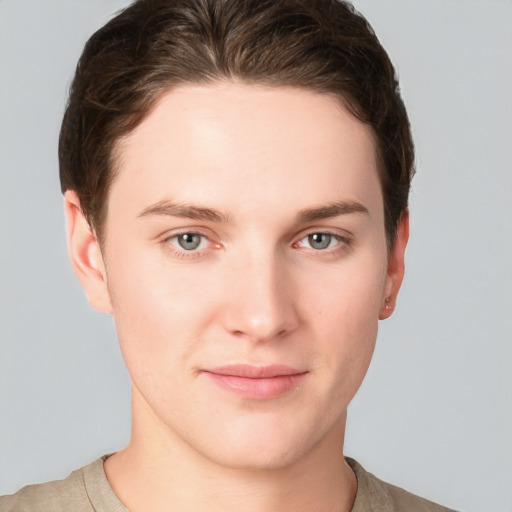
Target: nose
(259, 298)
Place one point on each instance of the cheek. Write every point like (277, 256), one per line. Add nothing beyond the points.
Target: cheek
(157, 311)
(345, 317)
(349, 297)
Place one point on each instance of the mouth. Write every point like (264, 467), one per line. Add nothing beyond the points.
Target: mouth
(257, 382)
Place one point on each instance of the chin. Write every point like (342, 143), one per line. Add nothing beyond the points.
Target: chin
(250, 458)
(262, 446)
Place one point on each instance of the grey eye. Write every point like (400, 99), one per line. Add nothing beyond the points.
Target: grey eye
(189, 241)
(320, 240)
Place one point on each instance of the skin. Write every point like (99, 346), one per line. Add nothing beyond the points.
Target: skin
(268, 164)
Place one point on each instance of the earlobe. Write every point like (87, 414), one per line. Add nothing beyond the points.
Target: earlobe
(85, 255)
(396, 267)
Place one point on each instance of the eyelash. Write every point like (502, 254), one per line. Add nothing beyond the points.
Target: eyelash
(343, 243)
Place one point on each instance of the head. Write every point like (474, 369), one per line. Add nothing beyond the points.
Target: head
(156, 45)
(237, 176)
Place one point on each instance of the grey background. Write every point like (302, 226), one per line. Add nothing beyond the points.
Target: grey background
(435, 412)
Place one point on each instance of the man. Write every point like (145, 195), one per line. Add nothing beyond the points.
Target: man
(236, 178)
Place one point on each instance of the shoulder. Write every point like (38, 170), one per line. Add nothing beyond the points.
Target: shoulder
(57, 496)
(374, 494)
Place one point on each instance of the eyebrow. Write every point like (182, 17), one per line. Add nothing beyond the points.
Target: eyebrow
(332, 210)
(184, 210)
(169, 208)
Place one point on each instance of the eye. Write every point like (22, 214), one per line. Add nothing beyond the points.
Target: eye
(320, 241)
(324, 243)
(188, 241)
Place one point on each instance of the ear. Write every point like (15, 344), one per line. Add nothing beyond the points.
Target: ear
(395, 271)
(85, 255)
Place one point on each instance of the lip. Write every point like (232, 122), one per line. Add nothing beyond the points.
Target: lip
(257, 382)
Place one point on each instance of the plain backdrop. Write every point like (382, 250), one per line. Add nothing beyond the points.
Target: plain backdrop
(435, 412)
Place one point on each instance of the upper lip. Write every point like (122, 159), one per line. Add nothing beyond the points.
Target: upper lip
(255, 372)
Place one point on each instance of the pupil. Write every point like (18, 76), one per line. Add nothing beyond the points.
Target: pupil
(189, 241)
(319, 240)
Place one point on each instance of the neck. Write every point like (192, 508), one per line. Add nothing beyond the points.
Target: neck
(158, 471)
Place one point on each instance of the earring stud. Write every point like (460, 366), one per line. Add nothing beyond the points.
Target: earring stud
(387, 305)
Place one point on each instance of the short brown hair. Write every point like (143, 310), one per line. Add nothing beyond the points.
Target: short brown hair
(155, 45)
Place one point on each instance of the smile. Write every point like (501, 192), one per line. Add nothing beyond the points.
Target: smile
(257, 382)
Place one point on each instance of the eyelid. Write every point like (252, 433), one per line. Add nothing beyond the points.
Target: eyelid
(184, 230)
(328, 230)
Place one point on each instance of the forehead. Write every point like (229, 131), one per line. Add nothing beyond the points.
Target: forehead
(247, 145)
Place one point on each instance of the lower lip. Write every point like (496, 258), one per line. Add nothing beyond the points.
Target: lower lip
(258, 388)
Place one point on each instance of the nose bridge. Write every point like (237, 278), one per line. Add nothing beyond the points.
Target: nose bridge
(259, 301)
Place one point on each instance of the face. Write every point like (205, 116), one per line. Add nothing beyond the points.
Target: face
(246, 266)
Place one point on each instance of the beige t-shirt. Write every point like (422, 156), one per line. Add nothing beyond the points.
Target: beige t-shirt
(88, 490)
